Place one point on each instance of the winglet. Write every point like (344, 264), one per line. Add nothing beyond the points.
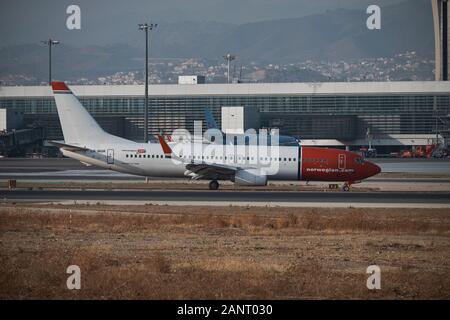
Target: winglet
(167, 150)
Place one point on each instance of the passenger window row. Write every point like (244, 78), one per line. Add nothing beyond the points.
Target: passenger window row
(144, 156)
(238, 158)
(157, 156)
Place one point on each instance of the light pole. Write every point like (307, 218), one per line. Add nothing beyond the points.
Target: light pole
(228, 58)
(145, 27)
(440, 21)
(50, 42)
(444, 40)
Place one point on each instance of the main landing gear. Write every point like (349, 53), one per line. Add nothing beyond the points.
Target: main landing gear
(213, 185)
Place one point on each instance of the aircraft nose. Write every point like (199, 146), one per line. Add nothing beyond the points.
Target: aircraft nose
(373, 169)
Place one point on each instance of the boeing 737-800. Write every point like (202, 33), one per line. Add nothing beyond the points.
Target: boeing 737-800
(86, 141)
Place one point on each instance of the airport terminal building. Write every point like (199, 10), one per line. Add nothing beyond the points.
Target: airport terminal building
(331, 114)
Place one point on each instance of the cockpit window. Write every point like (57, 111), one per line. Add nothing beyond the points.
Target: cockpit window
(359, 160)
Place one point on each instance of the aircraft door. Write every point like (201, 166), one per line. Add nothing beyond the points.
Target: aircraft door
(110, 156)
(231, 159)
(342, 162)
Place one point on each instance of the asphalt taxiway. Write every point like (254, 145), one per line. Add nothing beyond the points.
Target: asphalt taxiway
(271, 198)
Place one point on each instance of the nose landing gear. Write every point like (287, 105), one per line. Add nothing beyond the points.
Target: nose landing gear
(213, 185)
(346, 186)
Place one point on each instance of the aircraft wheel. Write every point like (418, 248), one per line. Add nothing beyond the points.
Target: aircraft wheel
(346, 187)
(213, 185)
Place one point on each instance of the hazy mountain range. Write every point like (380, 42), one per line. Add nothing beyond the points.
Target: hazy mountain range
(332, 35)
(105, 22)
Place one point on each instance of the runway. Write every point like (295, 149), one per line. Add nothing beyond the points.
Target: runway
(442, 199)
(110, 176)
(24, 165)
(61, 170)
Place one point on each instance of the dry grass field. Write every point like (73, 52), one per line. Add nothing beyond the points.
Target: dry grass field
(165, 252)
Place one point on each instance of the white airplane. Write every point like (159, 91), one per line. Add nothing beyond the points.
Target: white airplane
(86, 141)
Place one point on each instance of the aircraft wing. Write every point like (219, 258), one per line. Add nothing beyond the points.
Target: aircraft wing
(211, 168)
(199, 168)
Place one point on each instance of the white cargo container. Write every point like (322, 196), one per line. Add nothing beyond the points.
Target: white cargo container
(238, 119)
(191, 79)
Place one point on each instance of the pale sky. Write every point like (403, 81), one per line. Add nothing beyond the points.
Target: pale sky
(23, 21)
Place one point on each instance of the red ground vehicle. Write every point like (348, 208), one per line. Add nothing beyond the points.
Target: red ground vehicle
(419, 152)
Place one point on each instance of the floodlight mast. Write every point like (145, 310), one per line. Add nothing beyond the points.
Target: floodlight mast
(50, 42)
(146, 27)
(445, 40)
(228, 58)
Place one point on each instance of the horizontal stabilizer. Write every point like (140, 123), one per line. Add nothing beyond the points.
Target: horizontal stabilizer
(68, 147)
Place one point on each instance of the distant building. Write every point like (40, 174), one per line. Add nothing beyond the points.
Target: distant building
(10, 119)
(15, 140)
(330, 114)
